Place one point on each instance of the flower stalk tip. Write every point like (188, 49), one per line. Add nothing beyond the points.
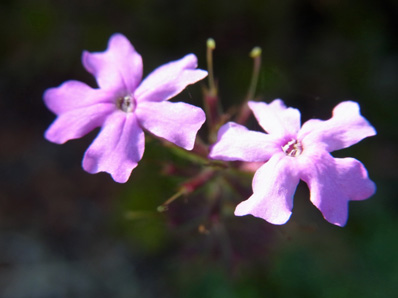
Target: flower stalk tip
(245, 112)
(256, 55)
(211, 44)
(255, 52)
(165, 206)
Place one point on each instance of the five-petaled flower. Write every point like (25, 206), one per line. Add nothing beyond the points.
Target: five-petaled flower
(291, 153)
(123, 106)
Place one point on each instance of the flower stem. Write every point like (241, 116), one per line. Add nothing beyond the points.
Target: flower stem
(189, 187)
(211, 99)
(245, 111)
(256, 55)
(211, 45)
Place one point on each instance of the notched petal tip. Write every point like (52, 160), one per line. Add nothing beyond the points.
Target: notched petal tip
(348, 105)
(117, 149)
(177, 122)
(48, 98)
(169, 79)
(277, 218)
(51, 136)
(275, 118)
(118, 38)
(86, 62)
(351, 110)
(217, 150)
(75, 123)
(345, 128)
(90, 165)
(274, 185)
(191, 61)
(200, 74)
(276, 104)
(119, 67)
(72, 95)
(333, 182)
(227, 126)
(236, 142)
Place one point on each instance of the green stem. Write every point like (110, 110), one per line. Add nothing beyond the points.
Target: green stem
(211, 45)
(256, 55)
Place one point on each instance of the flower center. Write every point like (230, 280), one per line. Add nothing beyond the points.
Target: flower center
(126, 104)
(292, 148)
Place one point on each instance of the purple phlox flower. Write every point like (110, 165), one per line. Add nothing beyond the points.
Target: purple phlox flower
(291, 153)
(123, 106)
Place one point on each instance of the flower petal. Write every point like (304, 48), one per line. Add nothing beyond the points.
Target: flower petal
(176, 122)
(274, 185)
(236, 142)
(344, 129)
(170, 79)
(118, 147)
(275, 118)
(118, 68)
(333, 182)
(74, 124)
(73, 95)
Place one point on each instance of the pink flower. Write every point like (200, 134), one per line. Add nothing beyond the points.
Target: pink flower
(291, 153)
(123, 106)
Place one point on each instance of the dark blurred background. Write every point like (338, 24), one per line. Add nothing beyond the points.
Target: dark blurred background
(66, 233)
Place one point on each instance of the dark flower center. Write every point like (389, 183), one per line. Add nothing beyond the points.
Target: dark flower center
(292, 148)
(126, 104)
